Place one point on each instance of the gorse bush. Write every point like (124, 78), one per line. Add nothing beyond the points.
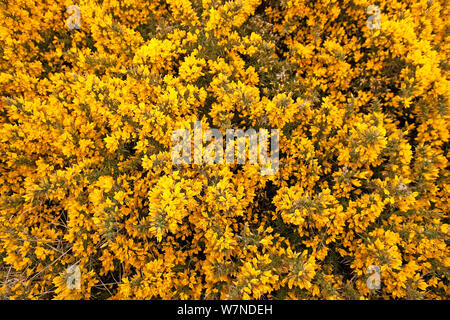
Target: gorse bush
(88, 107)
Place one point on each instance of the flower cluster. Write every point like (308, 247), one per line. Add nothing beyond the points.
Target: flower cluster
(360, 99)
